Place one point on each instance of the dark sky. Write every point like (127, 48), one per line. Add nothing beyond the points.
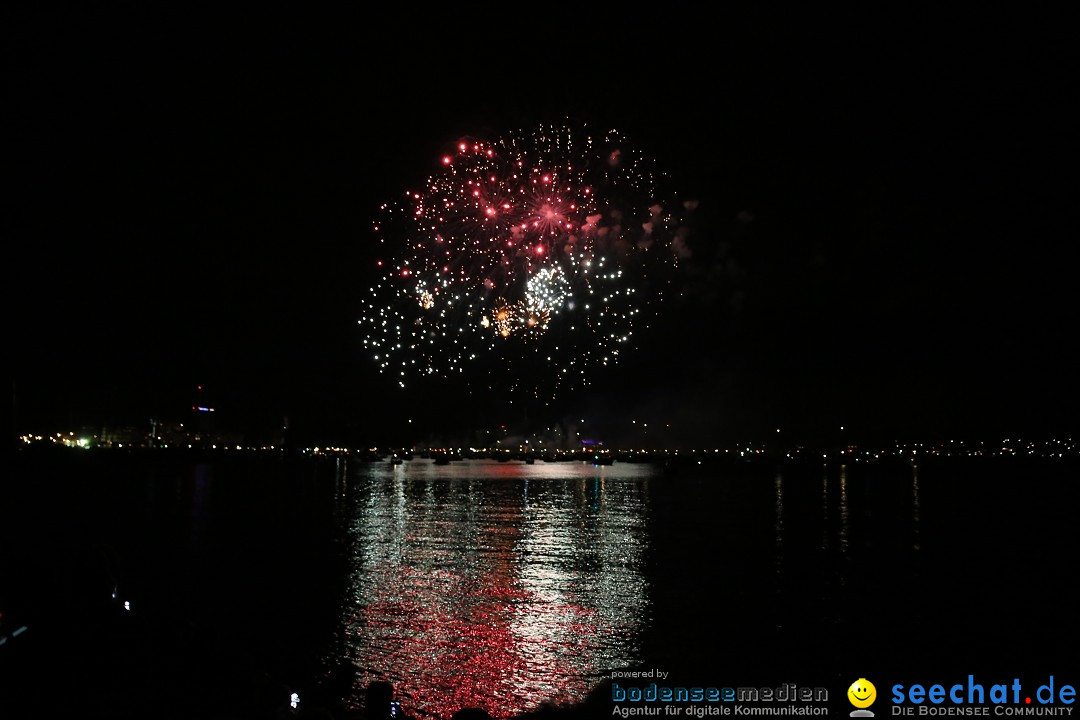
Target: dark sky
(886, 234)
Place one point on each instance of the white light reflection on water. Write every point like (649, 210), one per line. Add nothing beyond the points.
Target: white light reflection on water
(499, 585)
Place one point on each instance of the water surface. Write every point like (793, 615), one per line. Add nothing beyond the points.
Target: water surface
(507, 585)
(494, 584)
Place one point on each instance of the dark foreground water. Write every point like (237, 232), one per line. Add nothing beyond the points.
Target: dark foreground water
(507, 586)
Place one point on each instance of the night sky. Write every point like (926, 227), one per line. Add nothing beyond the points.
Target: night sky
(885, 240)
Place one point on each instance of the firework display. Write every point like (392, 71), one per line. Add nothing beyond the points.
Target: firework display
(540, 254)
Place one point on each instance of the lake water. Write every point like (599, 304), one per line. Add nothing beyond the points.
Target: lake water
(507, 585)
(495, 584)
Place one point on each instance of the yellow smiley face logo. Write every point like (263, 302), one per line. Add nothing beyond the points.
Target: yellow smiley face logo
(862, 693)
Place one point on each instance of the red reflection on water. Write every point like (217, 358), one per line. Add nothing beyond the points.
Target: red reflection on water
(502, 586)
(448, 641)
